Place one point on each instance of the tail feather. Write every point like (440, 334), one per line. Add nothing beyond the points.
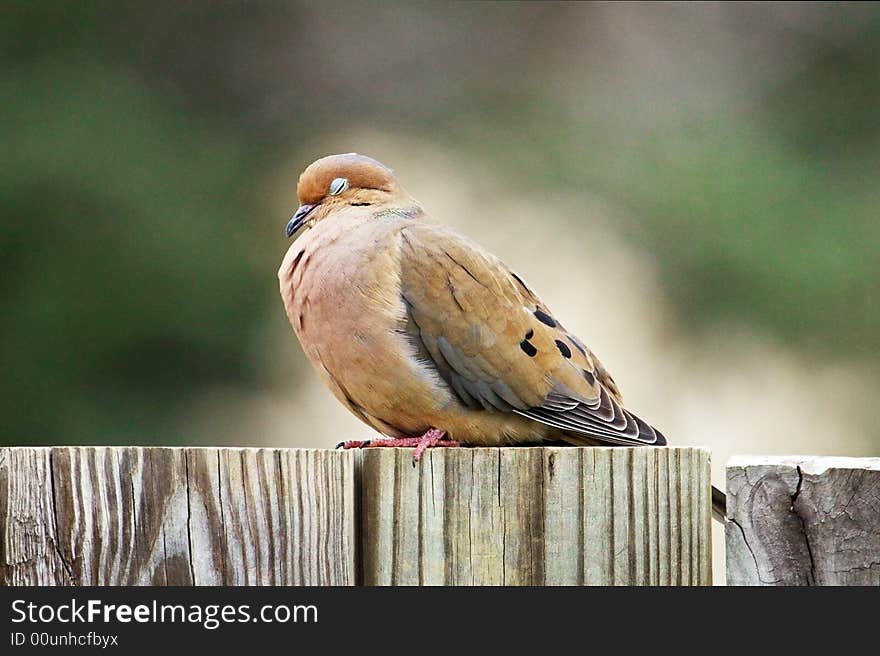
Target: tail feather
(719, 505)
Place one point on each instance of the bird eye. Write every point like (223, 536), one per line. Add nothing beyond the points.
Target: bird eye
(338, 186)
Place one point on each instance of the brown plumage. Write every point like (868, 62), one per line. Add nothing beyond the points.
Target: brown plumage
(419, 331)
(413, 326)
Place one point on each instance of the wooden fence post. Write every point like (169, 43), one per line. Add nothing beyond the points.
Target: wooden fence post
(803, 521)
(176, 516)
(208, 516)
(537, 516)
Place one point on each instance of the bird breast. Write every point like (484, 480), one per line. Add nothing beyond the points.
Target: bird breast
(341, 277)
(341, 288)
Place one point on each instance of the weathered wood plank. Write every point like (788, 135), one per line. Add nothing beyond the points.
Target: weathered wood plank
(803, 521)
(536, 516)
(29, 550)
(165, 516)
(184, 516)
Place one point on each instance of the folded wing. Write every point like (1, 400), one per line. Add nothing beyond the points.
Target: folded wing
(497, 345)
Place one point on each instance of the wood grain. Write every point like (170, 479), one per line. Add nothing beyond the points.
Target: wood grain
(176, 516)
(536, 516)
(29, 546)
(203, 516)
(803, 521)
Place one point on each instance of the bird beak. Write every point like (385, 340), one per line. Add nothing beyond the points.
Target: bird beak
(299, 218)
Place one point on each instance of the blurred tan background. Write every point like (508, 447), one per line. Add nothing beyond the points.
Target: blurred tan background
(693, 189)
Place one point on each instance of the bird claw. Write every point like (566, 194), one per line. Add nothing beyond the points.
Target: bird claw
(353, 444)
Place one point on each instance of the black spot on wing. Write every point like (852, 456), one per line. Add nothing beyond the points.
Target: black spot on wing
(545, 318)
(528, 348)
(563, 348)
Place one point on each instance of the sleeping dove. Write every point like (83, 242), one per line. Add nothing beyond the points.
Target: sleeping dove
(427, 337)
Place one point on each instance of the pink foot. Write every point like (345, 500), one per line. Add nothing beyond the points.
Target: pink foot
(432, 438)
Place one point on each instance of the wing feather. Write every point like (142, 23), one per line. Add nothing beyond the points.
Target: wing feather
(498, 347)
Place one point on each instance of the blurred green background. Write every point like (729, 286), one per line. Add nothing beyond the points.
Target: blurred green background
(694, 188)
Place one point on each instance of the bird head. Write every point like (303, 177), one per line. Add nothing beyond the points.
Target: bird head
(337, 181)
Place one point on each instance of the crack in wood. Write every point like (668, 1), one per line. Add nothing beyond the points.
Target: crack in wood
(802, 521)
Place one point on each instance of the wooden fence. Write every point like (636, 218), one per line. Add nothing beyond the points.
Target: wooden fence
(222, 516)
(803, 521)
(531, 516)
